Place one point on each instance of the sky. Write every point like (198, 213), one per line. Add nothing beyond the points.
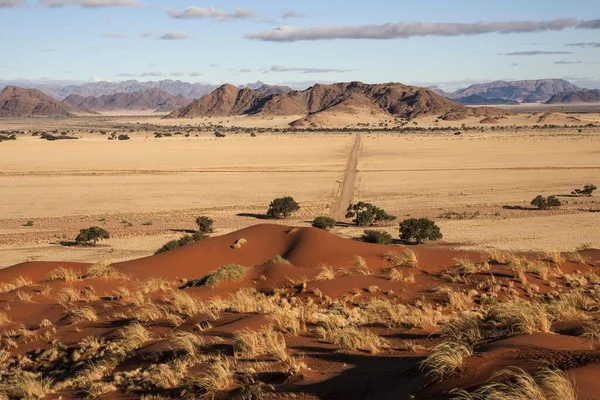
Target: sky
(449, 43)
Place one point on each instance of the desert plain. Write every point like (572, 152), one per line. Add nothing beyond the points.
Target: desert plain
(146, 190)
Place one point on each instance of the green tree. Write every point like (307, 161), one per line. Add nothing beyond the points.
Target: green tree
(324, 223)
(379, 237)
(205, 224)
(366, 214)
(91, 235)
(282, 207)
(545, 203)
(418, 230)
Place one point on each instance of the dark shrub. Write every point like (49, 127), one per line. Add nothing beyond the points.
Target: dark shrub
(324, 223)
(366, 214)
(418, 230)
(373, 236)
(205, 224)
(282, 207)
(177, 243)
(124, 137)
(586, 191)
(545, 203)
(91, 235)
(219, 134)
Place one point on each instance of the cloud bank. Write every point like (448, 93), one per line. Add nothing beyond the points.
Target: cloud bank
(534, 53)
(404, 30)
(11, 3)
(91, 3)
(279, 68)
(212, 13)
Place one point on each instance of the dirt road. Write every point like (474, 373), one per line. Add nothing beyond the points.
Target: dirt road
(346, 194)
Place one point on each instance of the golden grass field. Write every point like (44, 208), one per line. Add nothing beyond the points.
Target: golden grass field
(64, 186)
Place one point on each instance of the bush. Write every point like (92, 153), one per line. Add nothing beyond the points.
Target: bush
(219, 134)
(586, 191)
(418, 230)
(324, 223)
(282, 207)
(91, 235)
(379, 237)
(205, 224)
(123, 137)
(177, 243)
(229, 272)
(366, 214)
(545, 203)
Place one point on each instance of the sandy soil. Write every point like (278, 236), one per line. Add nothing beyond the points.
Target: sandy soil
(64, 186)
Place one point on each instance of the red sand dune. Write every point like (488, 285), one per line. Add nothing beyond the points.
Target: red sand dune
(392, 373)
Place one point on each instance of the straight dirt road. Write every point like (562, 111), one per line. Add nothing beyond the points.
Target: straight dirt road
(346, 194)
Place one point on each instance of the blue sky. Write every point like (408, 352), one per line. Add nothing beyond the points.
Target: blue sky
(241, 41)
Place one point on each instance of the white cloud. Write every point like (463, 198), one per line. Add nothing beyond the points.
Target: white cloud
(91, 3)
(293, 14)
(114, 36)
(11, 3)
(534, 53)
(403, 30)
(212, 13)
(304, 70)
(174, 36)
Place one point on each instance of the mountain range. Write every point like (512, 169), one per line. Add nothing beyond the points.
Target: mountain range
(318, 102)
(151, 99)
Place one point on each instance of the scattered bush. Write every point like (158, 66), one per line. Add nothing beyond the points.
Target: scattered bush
(545, 203)
(28, 223)
(445, 359)
(379, 237)
(205, 224)
(91, 235)
(220, 134)
(123, 137)
(177, 243)
(418, 230)
(229, 272)
(366, 214)
(282, 207)
(324, 223)
(586, 191)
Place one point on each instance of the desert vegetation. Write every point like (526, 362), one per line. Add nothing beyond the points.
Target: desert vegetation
(282, 207)
(366, 214)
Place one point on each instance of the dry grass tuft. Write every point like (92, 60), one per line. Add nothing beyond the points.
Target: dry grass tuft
(189, 342)
(104, 270)
(519, 316)
(229, 272)
(445, 359)
(17, 283)
(4, 318)
(26, 386)
(22, 296)
(516, 384)
(83, 314)
(464, 328)
(591, 331)
(248, 343)
(404, 258)
(326, 273)
(62, 274)
(351, 338)
(555, 256)
(219, 377)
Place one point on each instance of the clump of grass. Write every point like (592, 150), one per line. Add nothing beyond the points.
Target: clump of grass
(555, 256)
(188, 342)
(519, 316)
(351, 338)
(459, 300)
(548, 384)
(396, 275)
(17, 283)
(498, 257)
(68, 295)
(591, 331)
(83, 314)
(26, 385)
(465, 328)
(404, 258)
(104, 270)
(326, 273)
(23, 296)
(62, 274)
(248, 343)
(219, 377)
(277, 260)
(229, 272)
(445, 359)
(4, 318)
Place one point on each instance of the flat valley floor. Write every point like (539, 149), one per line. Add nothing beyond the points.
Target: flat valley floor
(147, 191)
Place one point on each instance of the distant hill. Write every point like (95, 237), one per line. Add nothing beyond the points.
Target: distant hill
(151, 99)
(391, 100)
(19, 102)
(522, 91)
(476, 100)
(97, 89)
(582, 96)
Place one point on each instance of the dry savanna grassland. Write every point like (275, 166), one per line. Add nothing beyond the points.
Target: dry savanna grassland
(505, 306)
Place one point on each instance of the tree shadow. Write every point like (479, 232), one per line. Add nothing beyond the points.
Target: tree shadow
(253, 215)
(520, 208)
(190, 231)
